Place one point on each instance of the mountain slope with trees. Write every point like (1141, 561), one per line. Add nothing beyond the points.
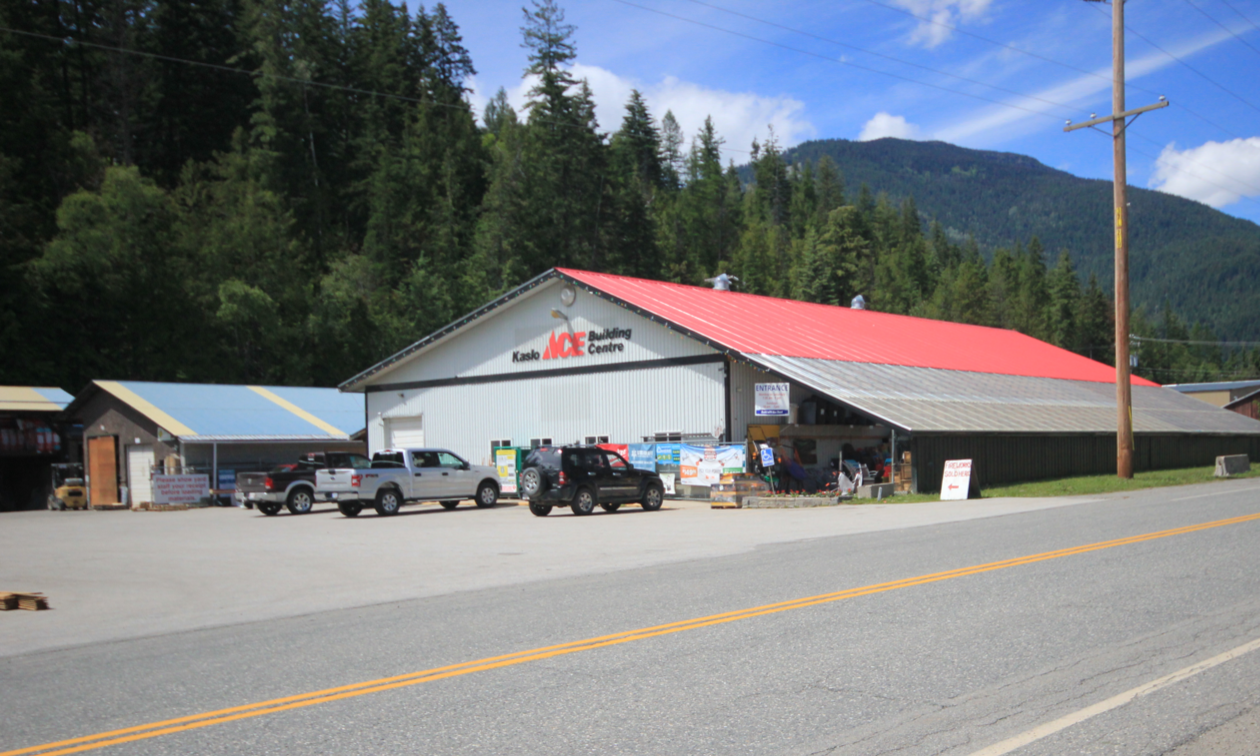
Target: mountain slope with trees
(287, 191)
(1200, 261)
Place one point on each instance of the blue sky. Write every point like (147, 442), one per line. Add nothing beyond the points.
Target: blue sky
(987, 74)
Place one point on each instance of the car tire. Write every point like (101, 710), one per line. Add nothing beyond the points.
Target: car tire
(533, 482)
(449, 504)
(299, 501)
(610, 506)
(487, 494)
(269, 508)
(350, 509)
(653, 497)
(538, 509)
(583, 502)
(387, 502)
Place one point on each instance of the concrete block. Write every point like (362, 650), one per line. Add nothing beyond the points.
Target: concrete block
(1232, 464)
(875, 491)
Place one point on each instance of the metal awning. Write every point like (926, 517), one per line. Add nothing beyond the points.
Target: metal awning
(929, 400)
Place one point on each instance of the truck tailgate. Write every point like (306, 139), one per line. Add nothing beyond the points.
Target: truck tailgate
(340, 480)
(252, 481)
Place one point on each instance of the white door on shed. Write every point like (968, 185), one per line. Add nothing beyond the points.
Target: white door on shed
(139, 472)
(404, 432)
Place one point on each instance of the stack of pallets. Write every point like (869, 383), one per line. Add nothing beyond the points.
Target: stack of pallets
(18, 600)
(731, 495)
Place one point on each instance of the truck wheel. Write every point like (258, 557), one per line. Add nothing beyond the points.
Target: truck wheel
(610, 506)
(299, 501)
(449, 504)
(387, 502)
(653, 497)
(487, 494)
(269, 508)
(539, 510)
(532, 482)
(350, 508)
(583, 502)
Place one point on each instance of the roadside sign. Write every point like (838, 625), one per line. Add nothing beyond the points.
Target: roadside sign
(772, 400)
(767, 456)
(505, 466)
(956, 481)
(180, 489)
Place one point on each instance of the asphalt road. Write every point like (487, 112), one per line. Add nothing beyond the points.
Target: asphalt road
(927, 634)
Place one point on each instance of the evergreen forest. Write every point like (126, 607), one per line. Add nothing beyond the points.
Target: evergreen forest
(286, 192)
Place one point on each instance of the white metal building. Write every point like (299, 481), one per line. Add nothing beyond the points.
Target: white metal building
(573, 356)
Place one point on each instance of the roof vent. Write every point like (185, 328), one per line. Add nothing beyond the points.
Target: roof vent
(858, 303)
(721, 282)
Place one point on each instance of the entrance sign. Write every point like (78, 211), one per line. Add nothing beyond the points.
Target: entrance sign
(772, 400)
(180, 489)
(956, 481)
(505, 467)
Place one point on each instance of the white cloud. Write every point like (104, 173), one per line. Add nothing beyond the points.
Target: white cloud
(886, 125)
(1215, 173)
(738, 117)
(1080, 88)
(942, 14)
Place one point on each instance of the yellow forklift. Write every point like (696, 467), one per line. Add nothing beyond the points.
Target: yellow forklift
(68, 489)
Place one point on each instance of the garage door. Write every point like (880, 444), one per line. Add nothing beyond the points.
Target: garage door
(404, 432)
(139, 472)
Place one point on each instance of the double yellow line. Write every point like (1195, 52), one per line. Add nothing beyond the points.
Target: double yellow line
(222, 716)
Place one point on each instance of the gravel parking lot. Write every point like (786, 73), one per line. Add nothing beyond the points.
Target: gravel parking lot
(116, 575)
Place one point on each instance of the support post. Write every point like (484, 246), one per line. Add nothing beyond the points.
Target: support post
(1124, 391)
(1119, 123)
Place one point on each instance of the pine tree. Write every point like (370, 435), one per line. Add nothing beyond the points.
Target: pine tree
(1064, 304)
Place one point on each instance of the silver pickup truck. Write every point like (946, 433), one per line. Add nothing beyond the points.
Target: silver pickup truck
(407, 476)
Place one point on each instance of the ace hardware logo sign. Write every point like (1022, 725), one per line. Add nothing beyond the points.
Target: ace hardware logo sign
(576, 344)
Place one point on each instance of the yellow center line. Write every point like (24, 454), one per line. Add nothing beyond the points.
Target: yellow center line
(221, 716)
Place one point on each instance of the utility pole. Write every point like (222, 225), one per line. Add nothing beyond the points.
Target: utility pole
(1124, 391)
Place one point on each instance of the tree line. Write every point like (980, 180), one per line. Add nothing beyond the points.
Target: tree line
(165, 217)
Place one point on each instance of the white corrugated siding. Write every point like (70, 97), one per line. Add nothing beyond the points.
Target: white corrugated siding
(486, 347)
(625, 406)
(744, 380)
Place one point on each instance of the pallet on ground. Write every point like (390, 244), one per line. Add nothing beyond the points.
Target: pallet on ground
(10, 600)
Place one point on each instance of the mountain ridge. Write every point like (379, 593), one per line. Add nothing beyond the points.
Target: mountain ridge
(1202, 262)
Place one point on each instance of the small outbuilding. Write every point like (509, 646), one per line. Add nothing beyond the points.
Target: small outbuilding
(575, 356)
(33, 437)
(133, 430)
(1219, 393)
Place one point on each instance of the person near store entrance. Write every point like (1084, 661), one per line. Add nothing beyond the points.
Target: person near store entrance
(787, 462)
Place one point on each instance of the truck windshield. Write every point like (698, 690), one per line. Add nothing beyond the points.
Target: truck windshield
(388, 459)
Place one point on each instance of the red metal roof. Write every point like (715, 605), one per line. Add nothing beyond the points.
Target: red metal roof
(765, 325)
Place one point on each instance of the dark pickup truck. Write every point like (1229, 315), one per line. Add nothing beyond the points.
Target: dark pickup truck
(292, 485)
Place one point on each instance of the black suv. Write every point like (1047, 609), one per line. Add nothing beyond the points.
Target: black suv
(580, 477)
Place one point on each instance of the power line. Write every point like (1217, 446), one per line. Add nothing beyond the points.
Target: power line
(1240, 14)
(1132, 337)
(877, 54)
(1223, 26)
(876, 71)
(1202, 75)
(1022, 51)
(840, 61)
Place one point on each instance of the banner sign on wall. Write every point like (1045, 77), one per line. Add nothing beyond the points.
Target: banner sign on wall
(772, 400)
(705, 465)
(505, 466)
(180, 489)
(643, 456)
(667, 454)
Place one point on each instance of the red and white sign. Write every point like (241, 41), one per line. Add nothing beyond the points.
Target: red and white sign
(957, 480)
(180, 489)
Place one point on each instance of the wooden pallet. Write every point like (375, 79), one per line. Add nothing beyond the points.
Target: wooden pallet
(18, 600)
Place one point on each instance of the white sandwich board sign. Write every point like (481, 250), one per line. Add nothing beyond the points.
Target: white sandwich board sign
(956, 481)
